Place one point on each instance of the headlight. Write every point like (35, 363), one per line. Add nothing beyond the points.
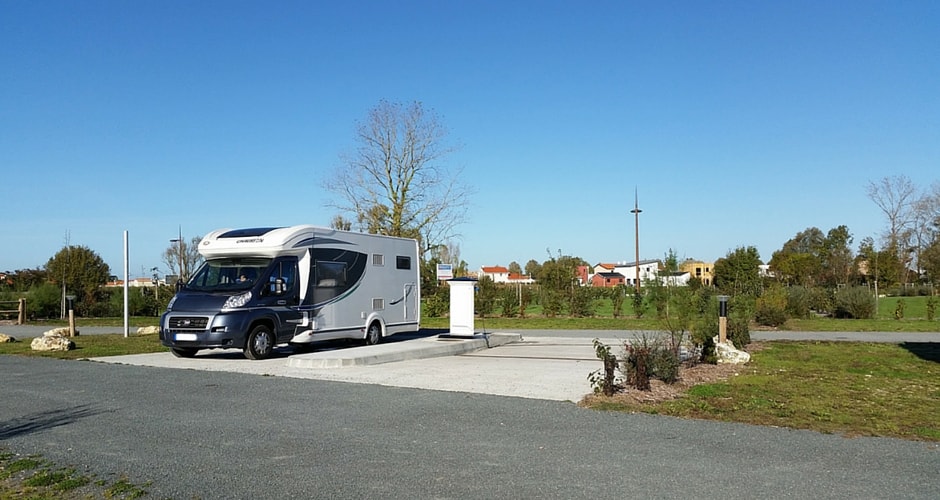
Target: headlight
(169, 306)
(237, 301)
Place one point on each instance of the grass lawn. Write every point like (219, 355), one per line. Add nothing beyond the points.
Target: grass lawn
(91, 346)
(856, 389)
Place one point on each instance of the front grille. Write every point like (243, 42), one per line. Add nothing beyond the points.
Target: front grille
(188, 322)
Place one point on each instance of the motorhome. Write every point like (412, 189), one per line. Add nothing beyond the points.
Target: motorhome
(262, 287)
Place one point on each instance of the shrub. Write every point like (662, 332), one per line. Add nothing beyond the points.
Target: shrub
(709, 354)
(899, 309)
(525, 298)
(931, 307)
(799, 300)
(665, 365)
(581, 302)
(771, 308)
(639, 307)
(44, 301)
(436, 305)
(485, 298)
(617, 298)
(738, 332)
(646, 358)
(854, 302)
(510, 302)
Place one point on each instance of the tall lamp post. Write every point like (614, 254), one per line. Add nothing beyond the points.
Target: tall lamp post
(179, 241)
(636, 217)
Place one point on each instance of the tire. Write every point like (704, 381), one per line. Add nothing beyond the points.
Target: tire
(260, 343)
(374, 334)
(184, 352)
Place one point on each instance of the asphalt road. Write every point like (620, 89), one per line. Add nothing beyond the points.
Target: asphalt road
(230, 435)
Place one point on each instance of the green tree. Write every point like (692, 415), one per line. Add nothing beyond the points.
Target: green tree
(515, 268)
(81, 271)
(836, 257)
(799, 261)
(533, 269)
(739, 272)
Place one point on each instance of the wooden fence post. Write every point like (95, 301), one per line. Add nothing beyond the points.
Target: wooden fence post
(21, 312)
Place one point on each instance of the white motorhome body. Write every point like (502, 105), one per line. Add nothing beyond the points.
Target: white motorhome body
(263, 286)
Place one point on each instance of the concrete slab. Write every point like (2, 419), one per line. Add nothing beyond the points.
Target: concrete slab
(400, 351)
(549, 368)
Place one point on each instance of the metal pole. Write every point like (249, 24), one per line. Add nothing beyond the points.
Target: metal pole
(126, 290)
(636, 221)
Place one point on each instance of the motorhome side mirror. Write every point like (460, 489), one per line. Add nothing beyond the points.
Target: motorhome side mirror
(278, 287)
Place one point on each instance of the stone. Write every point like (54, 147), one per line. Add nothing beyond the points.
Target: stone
(4, 338)
(62, 331)
(52, 343)
(148, 330)
(728, 354)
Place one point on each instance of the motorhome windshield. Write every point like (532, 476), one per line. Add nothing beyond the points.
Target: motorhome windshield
(230, 274)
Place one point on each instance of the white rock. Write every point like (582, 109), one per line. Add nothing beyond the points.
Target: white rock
(728, 354)
(6, 338)
(62, 331)
(148, 330)
(52, 343)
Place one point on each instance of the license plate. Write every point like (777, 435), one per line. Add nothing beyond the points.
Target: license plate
(185, 336)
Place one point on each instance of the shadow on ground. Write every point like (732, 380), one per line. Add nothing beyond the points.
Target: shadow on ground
(929, 351)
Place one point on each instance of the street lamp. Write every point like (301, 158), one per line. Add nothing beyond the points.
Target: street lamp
(636, 215)
(179, 255)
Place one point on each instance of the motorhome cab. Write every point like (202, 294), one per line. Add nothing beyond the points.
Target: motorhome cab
(267, 286)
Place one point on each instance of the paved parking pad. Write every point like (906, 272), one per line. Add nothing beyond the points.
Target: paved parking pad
(551, 368)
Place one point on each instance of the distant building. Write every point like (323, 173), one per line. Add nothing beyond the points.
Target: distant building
(698, 269)
(607, 280)
(649, 269)
(500, 274)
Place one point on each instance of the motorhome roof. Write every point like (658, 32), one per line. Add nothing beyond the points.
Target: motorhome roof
(268, 242)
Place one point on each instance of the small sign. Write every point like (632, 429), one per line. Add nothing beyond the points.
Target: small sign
(445, 272)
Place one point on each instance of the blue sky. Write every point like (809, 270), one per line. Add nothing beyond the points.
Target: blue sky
(738, 123)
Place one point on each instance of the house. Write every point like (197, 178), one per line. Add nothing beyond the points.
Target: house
(698, 269)
(677, 278)
(500, 274)
(607, 280)
(648, 270)
(520, 279)
(134, 283)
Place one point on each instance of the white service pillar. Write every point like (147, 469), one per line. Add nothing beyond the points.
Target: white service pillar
(461, 306)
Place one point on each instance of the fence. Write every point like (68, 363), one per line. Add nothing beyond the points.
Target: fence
(20, 310)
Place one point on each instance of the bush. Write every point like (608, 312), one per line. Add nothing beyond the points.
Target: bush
(771, 308)
(510, 302)
(618, 296)
(931, 307)
(436, 305)
(646, 358)
(581, 304)
(738, 332)
(854, 302)
(899, 309)
(799, 302)
(44, 301)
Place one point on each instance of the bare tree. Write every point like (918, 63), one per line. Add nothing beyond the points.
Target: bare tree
(896, 196)
(183, 258)
(341, 223)
(926, 224)
(395, 182)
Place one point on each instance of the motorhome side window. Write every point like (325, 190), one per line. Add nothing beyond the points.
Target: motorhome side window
(403, 262)
(286, 271)
(330, 274)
